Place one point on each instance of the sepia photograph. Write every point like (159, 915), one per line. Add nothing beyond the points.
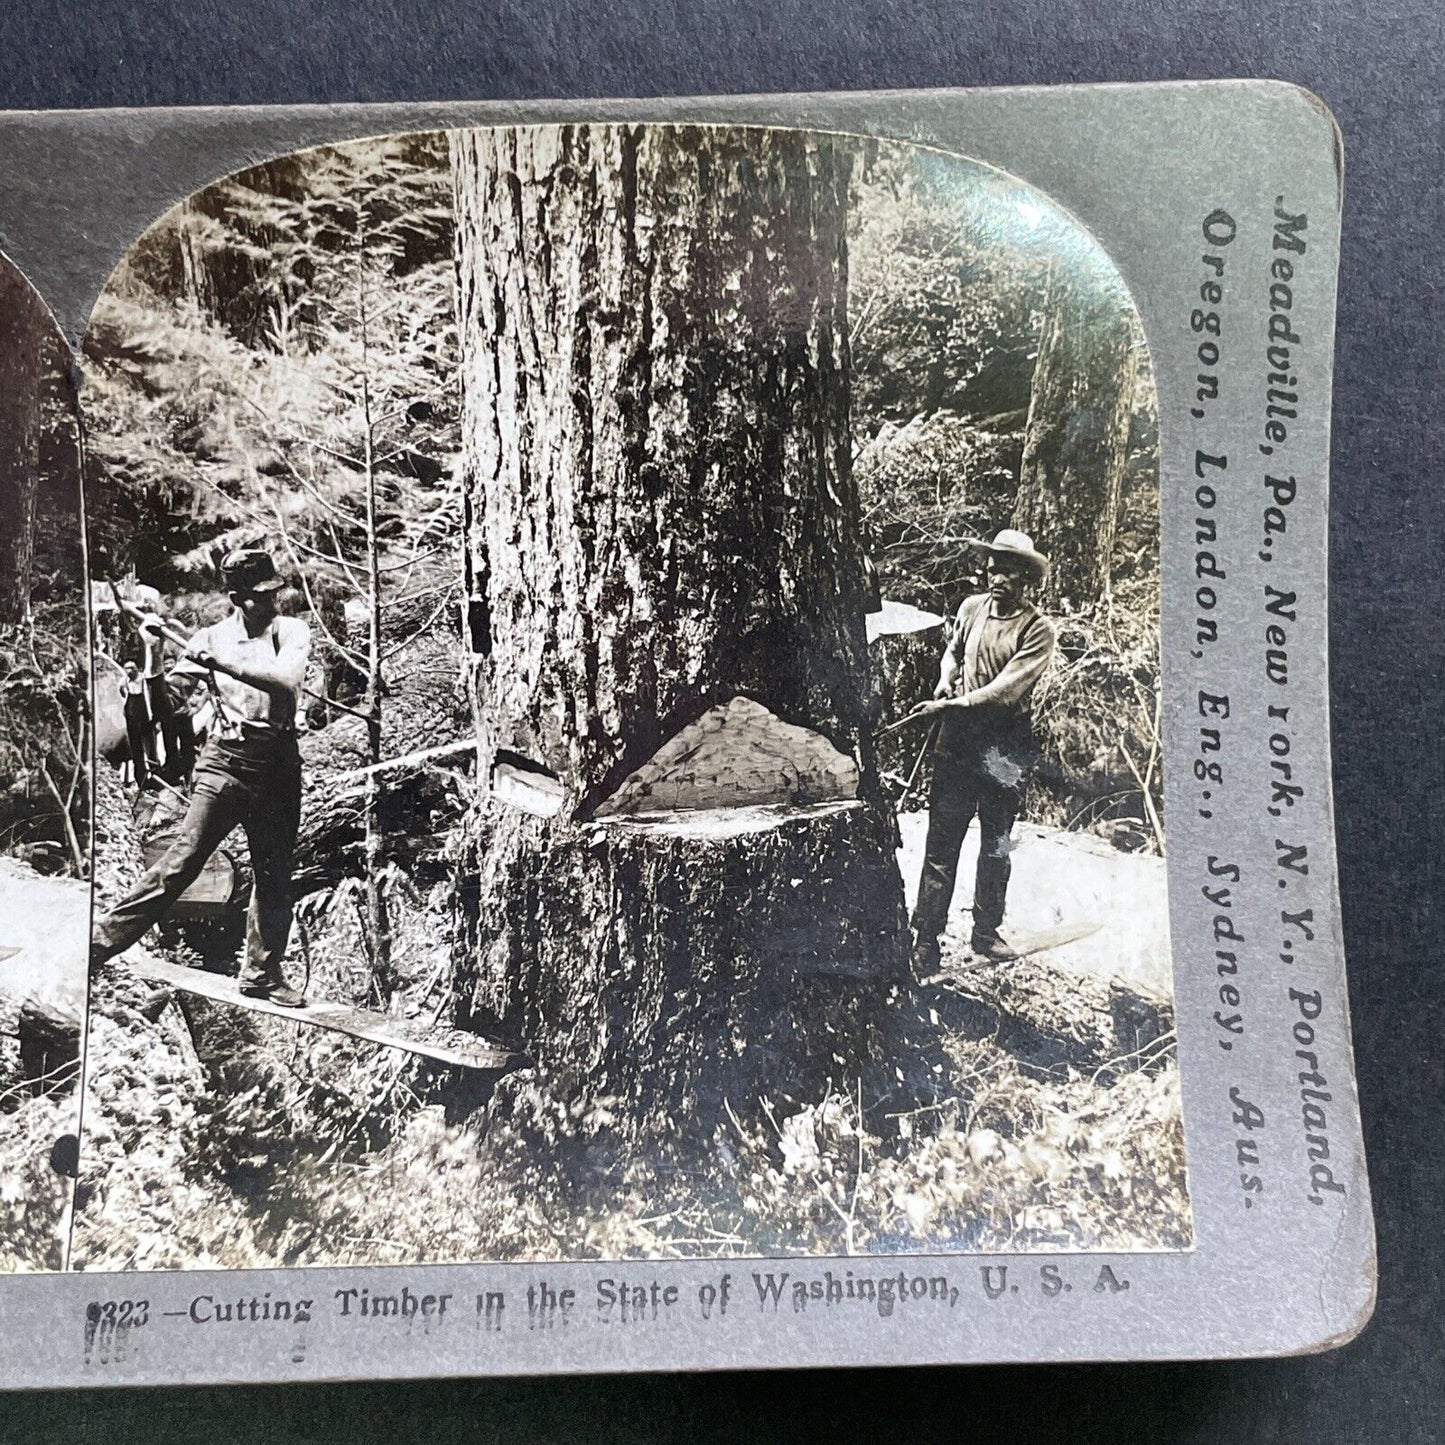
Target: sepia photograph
(44, 781)
(627, 716)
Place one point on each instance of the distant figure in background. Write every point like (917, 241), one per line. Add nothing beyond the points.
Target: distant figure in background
(998, 648)
(248, 774)
(139, 732)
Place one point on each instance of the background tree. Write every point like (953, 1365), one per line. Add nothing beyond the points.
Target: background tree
(276, 364)
(23, 334)
(44, 704)
(1001, 379)
(661, 519)
(1078, 436)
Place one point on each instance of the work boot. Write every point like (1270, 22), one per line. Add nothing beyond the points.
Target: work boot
(991, 947)
(277, 994)
(926, 959)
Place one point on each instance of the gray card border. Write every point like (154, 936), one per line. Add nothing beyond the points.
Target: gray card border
(1141, 166)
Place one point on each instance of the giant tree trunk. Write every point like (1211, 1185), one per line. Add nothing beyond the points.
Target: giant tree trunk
(697, 901)
(1076, 440)
(26, 334)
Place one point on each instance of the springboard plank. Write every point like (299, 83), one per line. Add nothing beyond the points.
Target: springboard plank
(1031, 943)
(463, 1052)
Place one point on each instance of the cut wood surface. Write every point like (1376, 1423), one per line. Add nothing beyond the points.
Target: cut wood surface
(722, 822)
(461, 1050)
(737, 754)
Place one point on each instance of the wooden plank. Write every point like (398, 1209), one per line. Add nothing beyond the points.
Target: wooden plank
(461, 1050)
(409, 760)
(1024, 946)
(1031, 943)
(537, 793)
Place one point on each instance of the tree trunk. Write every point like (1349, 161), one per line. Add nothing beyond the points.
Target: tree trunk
(662, 539)
(378, 915)
(26, 337)
(1076, 440)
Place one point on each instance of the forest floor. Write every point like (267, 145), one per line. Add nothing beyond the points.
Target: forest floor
(47, 923)
(214, 1138)
(1061, 879)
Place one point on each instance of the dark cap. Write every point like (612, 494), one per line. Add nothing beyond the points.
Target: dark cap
(249, 569)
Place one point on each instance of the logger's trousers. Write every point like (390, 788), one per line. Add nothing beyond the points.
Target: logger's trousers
(252, 783)
(980, 764)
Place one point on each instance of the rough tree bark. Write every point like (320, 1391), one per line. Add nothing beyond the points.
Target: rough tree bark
(661, 519)
(26, 335)
(1076, 440)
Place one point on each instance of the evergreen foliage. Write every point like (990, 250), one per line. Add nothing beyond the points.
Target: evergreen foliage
(950, 268)
(276, 361)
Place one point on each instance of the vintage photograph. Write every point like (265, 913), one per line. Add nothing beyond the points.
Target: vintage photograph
(626, 672)
(44, 781)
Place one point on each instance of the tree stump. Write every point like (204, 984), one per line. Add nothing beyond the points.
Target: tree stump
(661, 971)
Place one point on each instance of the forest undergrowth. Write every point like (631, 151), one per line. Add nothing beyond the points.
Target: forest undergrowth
(222, 1139)
(216, 1138)
(331, 1152)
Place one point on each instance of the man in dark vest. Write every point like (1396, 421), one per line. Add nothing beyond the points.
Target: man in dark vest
(998, 648)
(248, 775)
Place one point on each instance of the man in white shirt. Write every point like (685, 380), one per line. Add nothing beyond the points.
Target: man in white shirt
(998, 648)
(248, 775)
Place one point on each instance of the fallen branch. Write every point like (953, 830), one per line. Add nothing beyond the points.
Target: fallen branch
(1149, 807)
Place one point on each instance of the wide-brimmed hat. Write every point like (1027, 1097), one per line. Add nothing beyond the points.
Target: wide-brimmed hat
(249, 569)
(1018, 545)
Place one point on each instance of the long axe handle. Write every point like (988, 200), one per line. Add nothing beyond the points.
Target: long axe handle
(903, 722)
(928, 743)
(183, 642)
(139, 615)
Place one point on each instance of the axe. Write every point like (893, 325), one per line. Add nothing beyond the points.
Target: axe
(180, 640)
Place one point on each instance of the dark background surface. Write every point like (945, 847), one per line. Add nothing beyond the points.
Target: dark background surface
(1380, 65)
